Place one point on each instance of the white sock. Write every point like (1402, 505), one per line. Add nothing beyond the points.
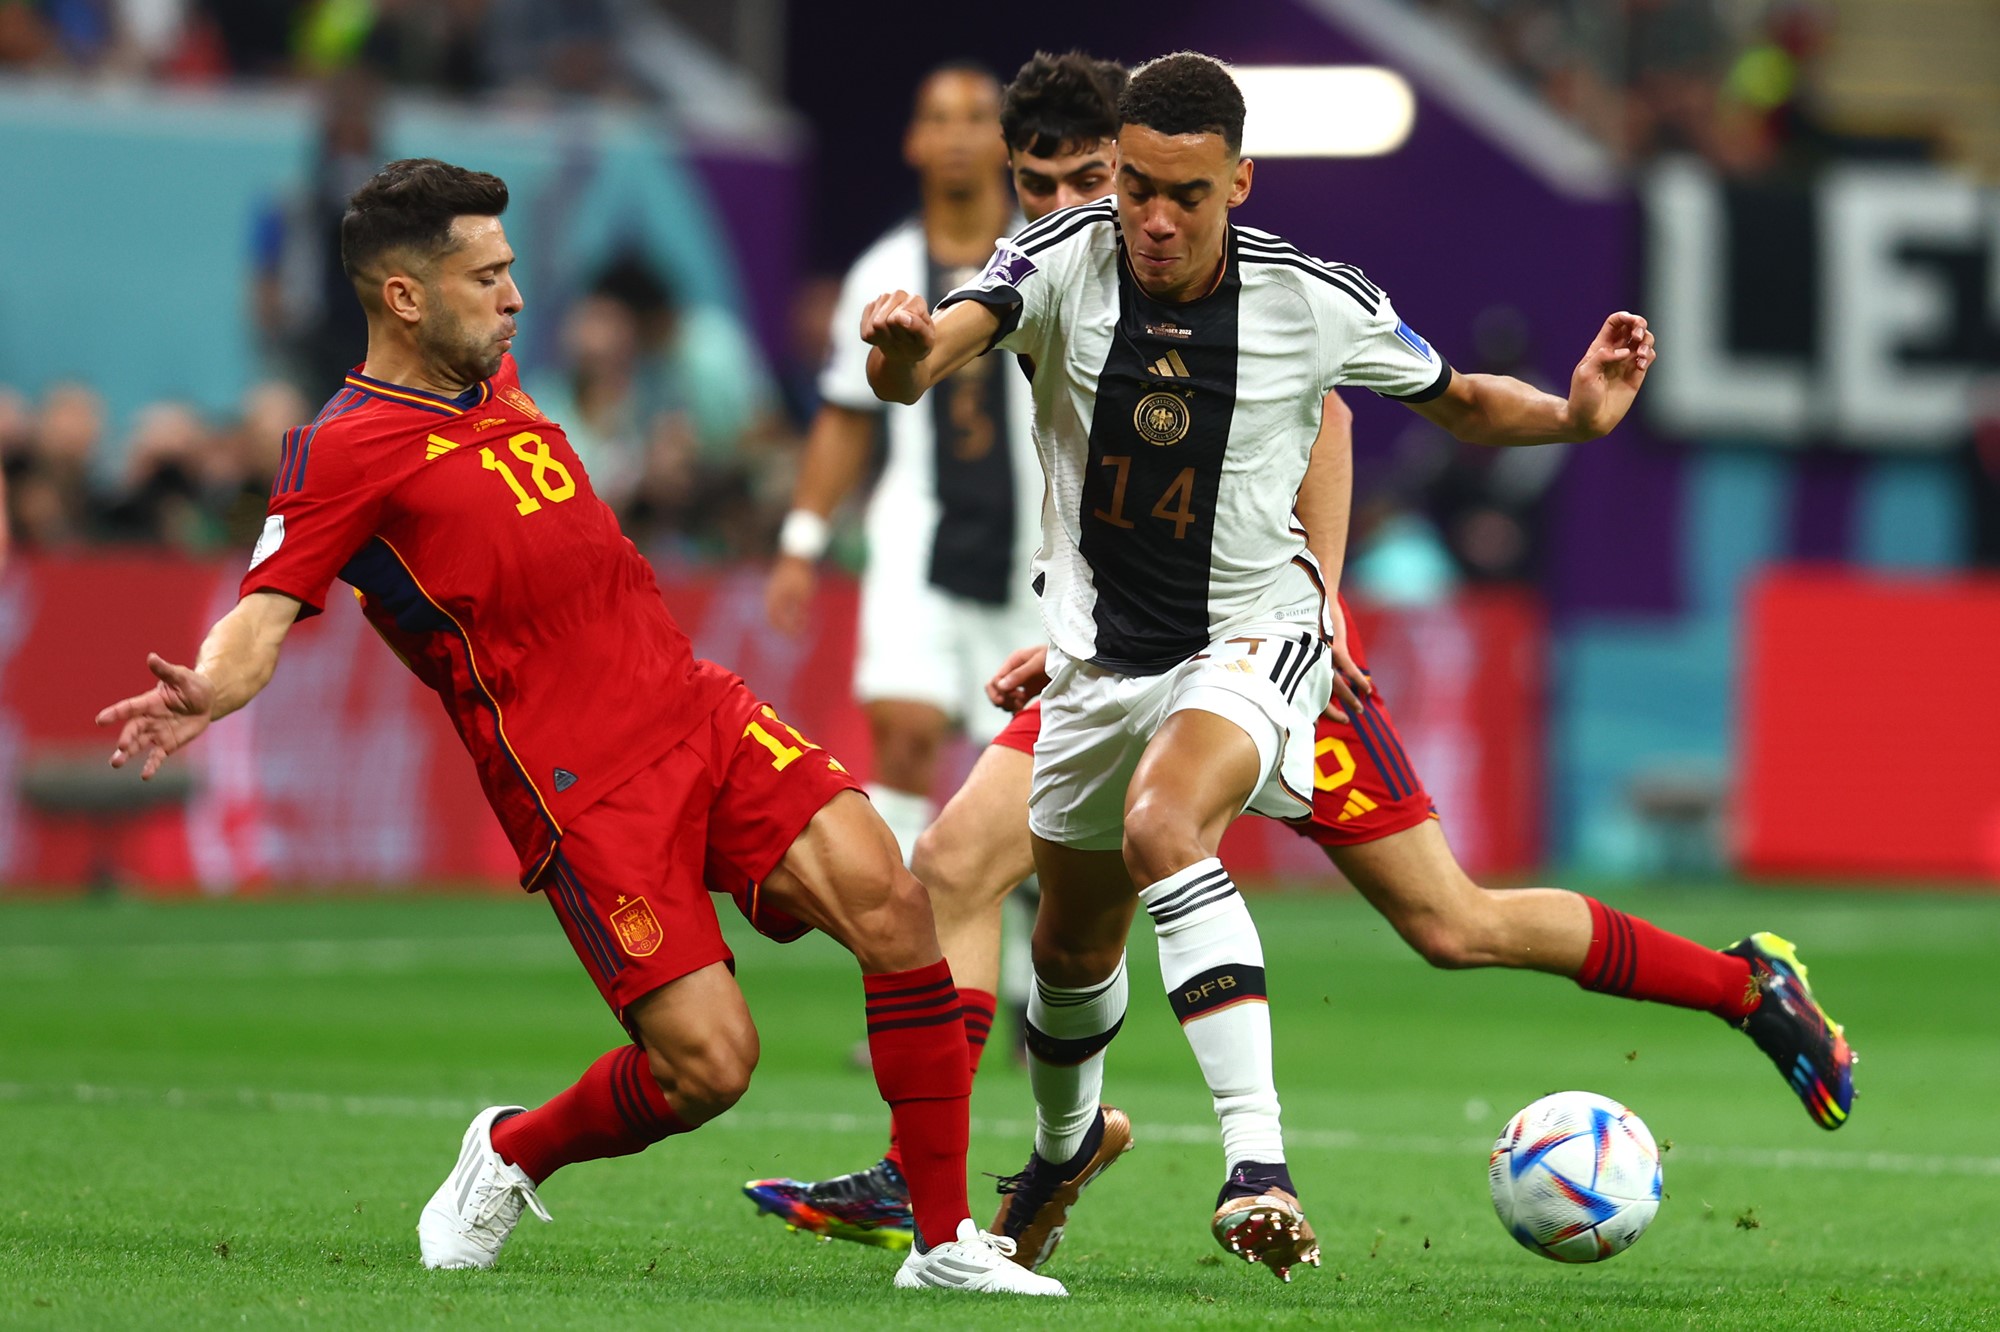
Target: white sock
(1067, 1032)
(1213, 966)
(906, 813)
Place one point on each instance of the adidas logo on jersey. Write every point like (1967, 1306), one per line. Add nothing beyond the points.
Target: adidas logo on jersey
(437, 446)
(1170, 366)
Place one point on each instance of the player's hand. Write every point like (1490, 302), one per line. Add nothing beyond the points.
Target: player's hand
(165, 718)
(1021, 680)
(1350, 683)
(1609, 375)
(788, 594)
(900, 324)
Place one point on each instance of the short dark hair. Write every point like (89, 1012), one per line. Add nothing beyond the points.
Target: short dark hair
(1185, 93)
(1061, 101)
(409, 205)
(956, 65)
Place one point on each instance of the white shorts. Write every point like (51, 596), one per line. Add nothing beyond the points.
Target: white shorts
(922, 644)
(1272, 680)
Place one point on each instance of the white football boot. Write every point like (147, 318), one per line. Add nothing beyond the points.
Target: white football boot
(476, 1208)
(976, 1260)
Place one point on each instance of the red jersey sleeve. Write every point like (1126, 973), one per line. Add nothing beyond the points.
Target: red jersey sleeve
(325, 505)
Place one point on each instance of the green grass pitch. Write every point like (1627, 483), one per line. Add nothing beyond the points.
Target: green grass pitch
(230, 1114)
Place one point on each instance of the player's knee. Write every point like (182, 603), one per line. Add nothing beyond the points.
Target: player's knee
(887, 922)
(1073, 962)
(1159, 841)
(1442, 942)
(951, 868)
(705, 1078)
(1463, 933)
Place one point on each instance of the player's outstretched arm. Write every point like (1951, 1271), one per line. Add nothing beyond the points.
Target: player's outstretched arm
(1500, 410)
(913, 350)
(1326, 496)
(236, 662)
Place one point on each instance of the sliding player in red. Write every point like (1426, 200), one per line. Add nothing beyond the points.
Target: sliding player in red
(1376, 823)
(632, 778)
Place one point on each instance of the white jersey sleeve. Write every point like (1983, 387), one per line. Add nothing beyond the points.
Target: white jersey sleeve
(1378, 350)
(1025, 281)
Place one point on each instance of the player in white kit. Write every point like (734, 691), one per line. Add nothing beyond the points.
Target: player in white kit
(1180, 366)
(954, 518)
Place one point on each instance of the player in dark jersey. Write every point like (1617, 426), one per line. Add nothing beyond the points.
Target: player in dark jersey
(631, 777)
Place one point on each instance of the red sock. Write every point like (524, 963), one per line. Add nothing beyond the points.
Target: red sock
(979, 1007)
(916, 1037)
(1637, 960)
(615, 1109)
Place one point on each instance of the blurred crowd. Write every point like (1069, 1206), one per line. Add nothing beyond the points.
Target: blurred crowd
(464, 47)
(670, 412)
(1732, 80)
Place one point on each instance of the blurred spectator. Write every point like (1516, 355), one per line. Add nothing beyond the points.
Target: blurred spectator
(54, 499)
(596, 397)
(1398, 558)
(693, 359)
(566, 46)
(669, 409)
(443, 45)
(159, 497)
(305, 308)
(1730, 81)
(255, 35)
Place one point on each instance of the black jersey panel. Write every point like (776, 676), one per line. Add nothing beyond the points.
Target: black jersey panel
(1158, 437)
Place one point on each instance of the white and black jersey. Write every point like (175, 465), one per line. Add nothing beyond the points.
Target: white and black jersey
(959, 486)
(1174, 437)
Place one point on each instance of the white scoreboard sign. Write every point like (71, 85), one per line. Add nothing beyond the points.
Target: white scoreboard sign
(1859, 309)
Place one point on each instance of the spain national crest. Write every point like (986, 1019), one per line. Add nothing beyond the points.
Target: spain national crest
(638, 929)
(520, 401)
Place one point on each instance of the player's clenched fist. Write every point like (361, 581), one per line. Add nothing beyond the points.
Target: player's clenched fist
(900, 324)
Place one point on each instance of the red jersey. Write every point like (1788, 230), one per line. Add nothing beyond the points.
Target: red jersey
(479, 551)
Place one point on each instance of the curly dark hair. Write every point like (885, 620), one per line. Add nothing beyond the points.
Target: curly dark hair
(1185, 93)
(409, 205)
(1061, 101)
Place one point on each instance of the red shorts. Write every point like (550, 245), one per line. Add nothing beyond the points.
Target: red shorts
(1364, 788)
(1020, 733)
(631, 878)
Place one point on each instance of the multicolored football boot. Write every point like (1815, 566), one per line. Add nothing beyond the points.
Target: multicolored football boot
(1809, 1048)
(1258, 1218)
(870, 1206)
(1034, 1205)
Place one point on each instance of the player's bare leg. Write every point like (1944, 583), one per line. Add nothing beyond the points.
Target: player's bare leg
(968, 860)
(1197, 774)
(1077, 1006)
(1758, 985)
(696, 1047)
(844, 875)
(972, 857)
(908, 736)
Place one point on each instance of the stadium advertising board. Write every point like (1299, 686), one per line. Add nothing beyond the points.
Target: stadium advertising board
(346, 772)
(1859, 309)
(1859, 765)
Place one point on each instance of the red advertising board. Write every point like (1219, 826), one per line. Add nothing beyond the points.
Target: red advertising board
(1870, 727)
(345, 771)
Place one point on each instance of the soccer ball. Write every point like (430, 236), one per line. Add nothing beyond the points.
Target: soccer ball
(1576, 1177)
